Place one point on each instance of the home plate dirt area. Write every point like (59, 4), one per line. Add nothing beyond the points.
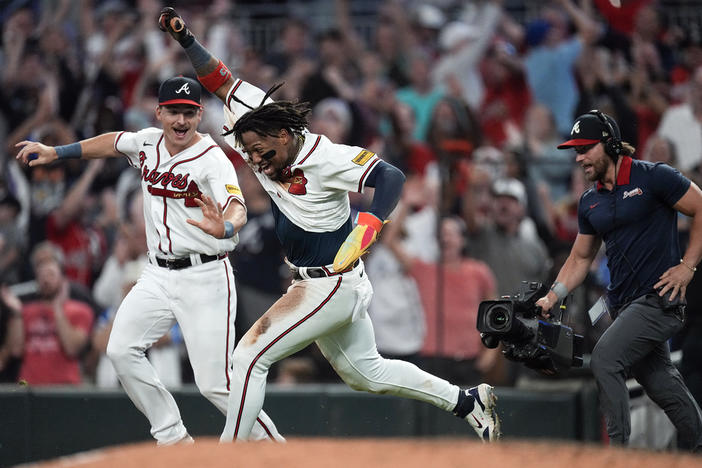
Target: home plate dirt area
(373, 453)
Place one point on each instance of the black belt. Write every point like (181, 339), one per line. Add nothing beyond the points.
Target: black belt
(321, 272)
(185, 262)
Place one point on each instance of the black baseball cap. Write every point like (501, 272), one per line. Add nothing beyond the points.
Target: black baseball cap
(589, 129)
(179, 90)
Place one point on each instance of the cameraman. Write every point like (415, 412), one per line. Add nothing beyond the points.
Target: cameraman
(633, 207)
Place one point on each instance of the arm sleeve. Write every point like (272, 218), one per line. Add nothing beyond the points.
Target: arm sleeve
(388, 181)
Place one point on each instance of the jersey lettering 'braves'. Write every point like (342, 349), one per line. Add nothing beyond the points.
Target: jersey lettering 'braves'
(170, 185)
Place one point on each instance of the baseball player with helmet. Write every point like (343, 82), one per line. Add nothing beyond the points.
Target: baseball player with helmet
(188, 280)
(308, 178)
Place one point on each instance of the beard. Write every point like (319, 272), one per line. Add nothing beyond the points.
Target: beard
(599, 170)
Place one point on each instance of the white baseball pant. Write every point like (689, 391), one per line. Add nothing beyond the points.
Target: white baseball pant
(202, 299)
(332, 312)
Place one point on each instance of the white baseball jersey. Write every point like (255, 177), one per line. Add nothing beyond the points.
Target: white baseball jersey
(312, 220)
(201, 298)
(316, 199)
(170, 183)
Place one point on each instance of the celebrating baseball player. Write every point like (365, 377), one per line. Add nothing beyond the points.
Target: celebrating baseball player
(308, 178)
(189, 280)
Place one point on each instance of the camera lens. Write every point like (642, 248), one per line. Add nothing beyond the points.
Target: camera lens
(498, 318)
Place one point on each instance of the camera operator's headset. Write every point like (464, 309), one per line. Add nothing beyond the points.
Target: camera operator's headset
(612, 145)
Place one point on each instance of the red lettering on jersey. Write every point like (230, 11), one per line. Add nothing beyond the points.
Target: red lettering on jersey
(188, 196)
(178, 181)
(297, 183)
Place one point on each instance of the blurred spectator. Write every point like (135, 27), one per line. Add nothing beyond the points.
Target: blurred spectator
(510, 236)
(129, 246)
(549, 168)
(682, 124)
(55, 329)
(10, 335)
(69, 226)
(450, 290)
(292, 46)
(454, 132)
(604, 78)
(392, 40)
(507, 95)
(332, 118)
(551, 56)
(296, 370)
(426, 21)
(464, 43)
(401, 149)
(12, 240)
(336, 74)
(396, 308)
(420, 94)
(659, 149)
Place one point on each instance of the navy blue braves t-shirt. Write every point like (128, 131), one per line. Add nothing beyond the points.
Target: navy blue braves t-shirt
(638, 225)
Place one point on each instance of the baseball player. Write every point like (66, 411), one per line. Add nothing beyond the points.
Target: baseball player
(308, 178)
(188, 278)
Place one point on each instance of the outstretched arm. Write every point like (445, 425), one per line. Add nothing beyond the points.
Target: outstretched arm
(212, 73)
(34, 153)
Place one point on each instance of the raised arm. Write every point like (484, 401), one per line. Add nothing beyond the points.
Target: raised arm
(211, 72)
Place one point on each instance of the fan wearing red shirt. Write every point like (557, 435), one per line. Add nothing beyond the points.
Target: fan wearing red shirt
(55, 328)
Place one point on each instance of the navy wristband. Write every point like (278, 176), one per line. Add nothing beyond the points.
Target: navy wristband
(72, 151)
(228, 230)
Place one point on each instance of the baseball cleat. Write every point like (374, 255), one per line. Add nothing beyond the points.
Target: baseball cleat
(484, 417)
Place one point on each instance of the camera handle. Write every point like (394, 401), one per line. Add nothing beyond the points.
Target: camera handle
(561, 311)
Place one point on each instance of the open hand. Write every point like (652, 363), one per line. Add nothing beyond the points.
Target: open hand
(212, 219)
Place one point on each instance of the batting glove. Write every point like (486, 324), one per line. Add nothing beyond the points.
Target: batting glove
(357, 242)
(170, 21)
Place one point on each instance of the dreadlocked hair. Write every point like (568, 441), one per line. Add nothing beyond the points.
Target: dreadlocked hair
(269, 119)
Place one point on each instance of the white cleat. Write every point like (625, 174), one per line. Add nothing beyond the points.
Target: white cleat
(484, 417)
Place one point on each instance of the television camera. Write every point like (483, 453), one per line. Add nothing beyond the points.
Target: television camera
(545, 345)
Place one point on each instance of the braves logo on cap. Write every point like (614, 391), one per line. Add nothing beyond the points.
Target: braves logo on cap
(179, 90)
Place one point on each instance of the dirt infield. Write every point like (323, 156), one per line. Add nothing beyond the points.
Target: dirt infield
(373, 453)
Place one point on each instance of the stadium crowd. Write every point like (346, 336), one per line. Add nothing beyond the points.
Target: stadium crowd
(467, 99)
